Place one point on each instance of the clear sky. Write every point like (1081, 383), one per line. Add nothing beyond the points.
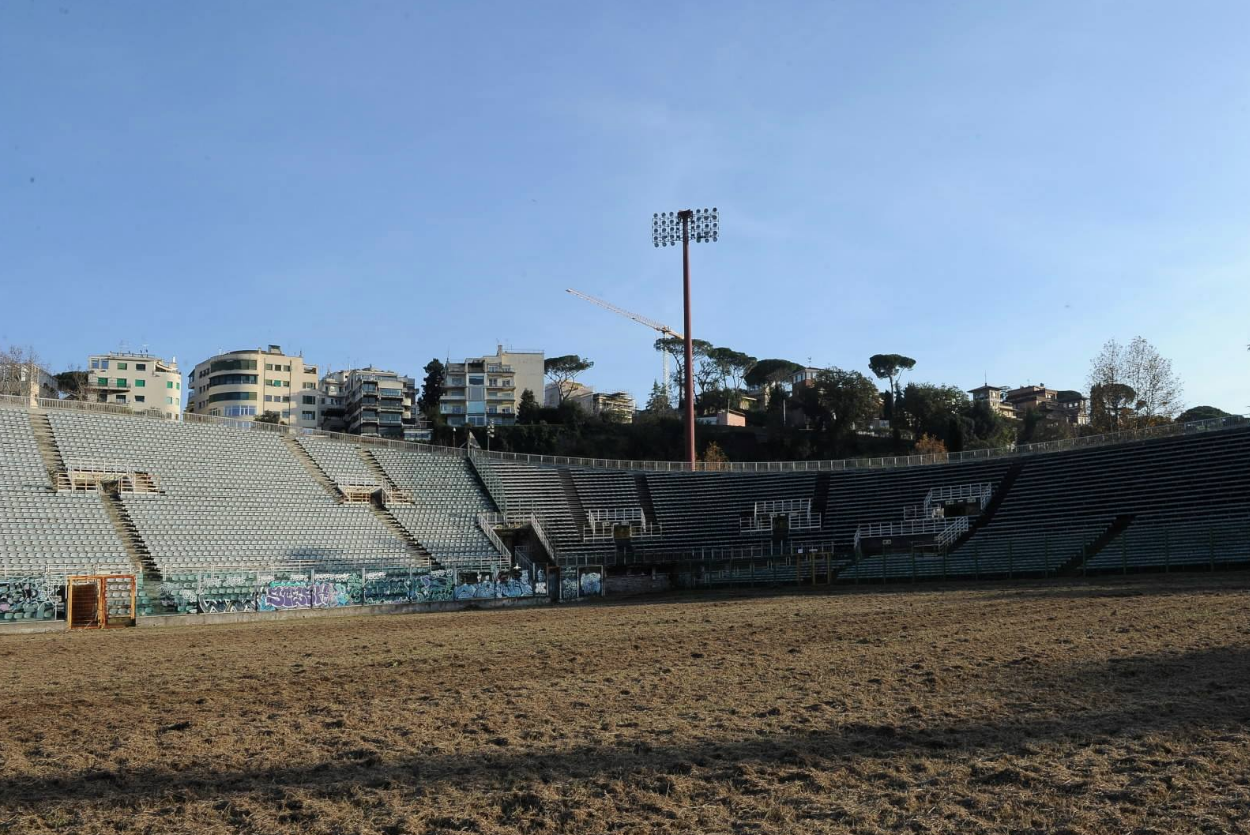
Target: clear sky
(992, 188)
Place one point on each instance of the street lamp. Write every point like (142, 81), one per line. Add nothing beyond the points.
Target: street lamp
(667, 228)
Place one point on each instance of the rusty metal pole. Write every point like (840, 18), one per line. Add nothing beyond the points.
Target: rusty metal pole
(689, 376)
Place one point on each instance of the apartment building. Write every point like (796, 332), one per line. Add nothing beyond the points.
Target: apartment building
(249, 383)
(370, 401)
(142, 382)
(996, 397)
(618, 405)
(486, 389)
(1068, 405)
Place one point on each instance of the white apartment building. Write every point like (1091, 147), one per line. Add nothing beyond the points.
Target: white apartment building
(142, 382)
(249, 383)
(488, 389)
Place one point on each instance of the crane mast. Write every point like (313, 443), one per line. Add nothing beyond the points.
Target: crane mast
(662, 328)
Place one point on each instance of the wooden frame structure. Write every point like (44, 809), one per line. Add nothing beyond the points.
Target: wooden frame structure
(88, 594)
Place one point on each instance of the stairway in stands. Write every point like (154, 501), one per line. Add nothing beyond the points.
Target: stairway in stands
(983, 518)
(375, 467)
(128, 532)
(821, 500)
(387, 518)
(314, 469)
(1111, 534)
(644, 496)
(575, 501)
(41, 426)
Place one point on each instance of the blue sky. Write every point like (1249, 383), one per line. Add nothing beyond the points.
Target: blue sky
(992, 188)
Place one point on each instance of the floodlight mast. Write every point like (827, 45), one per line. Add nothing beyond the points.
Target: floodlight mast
(703, 226)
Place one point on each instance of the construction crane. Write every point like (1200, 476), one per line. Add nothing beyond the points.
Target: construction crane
(642, 320)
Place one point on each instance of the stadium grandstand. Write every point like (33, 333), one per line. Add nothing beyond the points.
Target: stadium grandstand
(205, 515)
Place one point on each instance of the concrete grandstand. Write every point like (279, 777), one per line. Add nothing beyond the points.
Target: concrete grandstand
(214, 515)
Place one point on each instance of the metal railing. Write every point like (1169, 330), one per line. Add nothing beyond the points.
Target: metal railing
(490, 478)
(911, 527)
(1168, 430)
(962, 492)
(488, 522)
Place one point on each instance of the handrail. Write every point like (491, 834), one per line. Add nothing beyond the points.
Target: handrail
(888, 462)
(981, 491)
(487, 521)
(490, 478)
(941, 526)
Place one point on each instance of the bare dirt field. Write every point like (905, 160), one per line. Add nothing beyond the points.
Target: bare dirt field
(1108, 706)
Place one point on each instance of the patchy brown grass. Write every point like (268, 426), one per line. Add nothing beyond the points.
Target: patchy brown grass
(1111, 706)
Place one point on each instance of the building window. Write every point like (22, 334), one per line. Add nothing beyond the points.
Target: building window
(309, 415)
(231, 395)
(169, 384)
(121, 366)
(239, 411)
(309, 385)
(121, 398)
(122, 382)
(102, 381)
(95, 365)
(141, 383)
(104, 365)
(310, 401)
(141, 366)
(269, 366)
(169, 401)
(139, 398)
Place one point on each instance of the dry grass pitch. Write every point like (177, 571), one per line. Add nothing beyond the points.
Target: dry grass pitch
(1109, 706)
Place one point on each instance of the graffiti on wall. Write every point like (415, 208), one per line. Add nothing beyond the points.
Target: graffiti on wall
(252, 592)
(30, 598)
(381, 587)
(303, 594)
(437, 585)
(590, 584)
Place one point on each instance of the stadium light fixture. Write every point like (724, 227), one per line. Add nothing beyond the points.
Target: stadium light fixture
(667, 228)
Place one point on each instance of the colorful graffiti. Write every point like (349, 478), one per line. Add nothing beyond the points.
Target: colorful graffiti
(437, 585)
(302, 594)
(569, 587)
(30, 598)
(381, 587)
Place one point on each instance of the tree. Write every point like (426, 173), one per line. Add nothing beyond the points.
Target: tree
(714, 458)
(1201, 413)
(676, 348)
(73, 384)
(659, 402)
(765, 372)
(929, 445)
(527, 409)
(846, 400)
(929, 408)
(269, 417)
(1156, 390)
(890, 367)
(563, 371)
(19, 371)
(731, 366)
(432, 388)
(1159, 390)
(1111, 406)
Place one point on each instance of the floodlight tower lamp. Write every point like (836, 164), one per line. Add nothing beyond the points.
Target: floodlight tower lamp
(667, 228)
